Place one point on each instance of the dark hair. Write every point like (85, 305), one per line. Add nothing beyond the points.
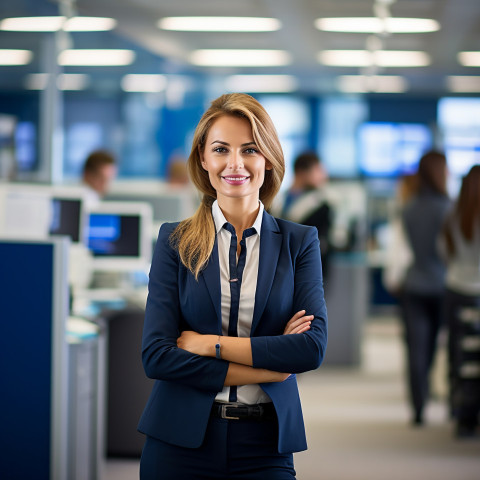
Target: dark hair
(305, 161)
(96, 160)
(432, 172)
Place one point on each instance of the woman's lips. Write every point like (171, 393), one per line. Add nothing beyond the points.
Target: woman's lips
(236, 179)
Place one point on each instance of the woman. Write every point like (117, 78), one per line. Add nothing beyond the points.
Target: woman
(462, 240)
(423, 288)
(228, 324)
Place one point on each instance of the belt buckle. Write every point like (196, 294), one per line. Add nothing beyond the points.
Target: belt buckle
(223, 412)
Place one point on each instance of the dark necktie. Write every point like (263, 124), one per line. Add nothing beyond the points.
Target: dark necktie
(235, 279)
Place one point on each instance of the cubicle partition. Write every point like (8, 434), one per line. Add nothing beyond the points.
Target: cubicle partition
(34, 359)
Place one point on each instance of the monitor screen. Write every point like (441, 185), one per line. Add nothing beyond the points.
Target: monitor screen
(119, 236)
(66, 218)
(391, 149)
(459, 122)
(114, 235)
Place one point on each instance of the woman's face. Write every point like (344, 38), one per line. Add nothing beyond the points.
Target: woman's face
(235, 166)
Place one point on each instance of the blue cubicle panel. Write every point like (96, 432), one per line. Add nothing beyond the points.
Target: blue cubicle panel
(34, 307)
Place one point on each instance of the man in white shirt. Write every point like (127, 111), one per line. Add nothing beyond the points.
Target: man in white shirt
(98, 173)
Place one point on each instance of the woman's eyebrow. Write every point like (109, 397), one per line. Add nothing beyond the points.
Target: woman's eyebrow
(226, 143)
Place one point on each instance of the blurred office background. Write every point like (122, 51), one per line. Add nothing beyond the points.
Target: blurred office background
(368, 84)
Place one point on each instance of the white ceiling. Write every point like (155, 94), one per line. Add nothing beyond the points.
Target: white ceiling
(167, 52)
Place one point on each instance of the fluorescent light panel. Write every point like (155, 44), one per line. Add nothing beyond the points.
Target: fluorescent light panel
(381, 58)
(373, 83)
(96, 57)
(469, 59)
(219, 24)
(65, 81)
(463, 83)
(15, 57)
(144, 83)
(240, 58)
(53, 24)
(261, 83)
(377, 25)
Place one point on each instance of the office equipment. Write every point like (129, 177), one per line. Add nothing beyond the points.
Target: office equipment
(391, 149)
(128, 386)
(459, 123)
(68, 215)
(119, 236)
(25, 210)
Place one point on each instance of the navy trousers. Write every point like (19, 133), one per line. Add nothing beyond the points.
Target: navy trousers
(232, 449)
(423, 316)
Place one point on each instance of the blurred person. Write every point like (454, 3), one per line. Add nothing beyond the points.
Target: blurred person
(462, 242)
(235, 299)
(99, 170)
(178, 172)
(305, 201)
(398, 254)
(424, 287)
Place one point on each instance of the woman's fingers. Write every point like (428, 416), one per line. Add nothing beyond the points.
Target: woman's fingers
(298, 323)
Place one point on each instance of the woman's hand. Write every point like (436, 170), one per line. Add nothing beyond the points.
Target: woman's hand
(197, 343)
(299, 323)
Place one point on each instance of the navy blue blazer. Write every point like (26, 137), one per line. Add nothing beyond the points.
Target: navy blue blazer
(289, 280)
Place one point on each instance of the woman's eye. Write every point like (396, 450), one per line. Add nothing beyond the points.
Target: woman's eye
(251, 151)
(220, 149)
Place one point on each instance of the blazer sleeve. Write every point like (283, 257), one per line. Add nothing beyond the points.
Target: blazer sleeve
(162, 359)
(299, 353)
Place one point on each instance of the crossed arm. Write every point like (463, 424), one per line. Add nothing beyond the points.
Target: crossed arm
(238, 352)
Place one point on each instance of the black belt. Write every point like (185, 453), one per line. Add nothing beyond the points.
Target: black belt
(236, 411)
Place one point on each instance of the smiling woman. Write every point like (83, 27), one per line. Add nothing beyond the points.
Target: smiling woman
(235, 310)
(235, 166)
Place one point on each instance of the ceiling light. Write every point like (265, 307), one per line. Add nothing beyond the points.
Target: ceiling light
(469, 59)
(373, 83)
(144, 83)
(15, 57)
(53, 24)
(381, 58)
(463, 83)
(65, 81)
(96, 57)
(261, 83)
(240, 58)
(377, 25)
(219, 24)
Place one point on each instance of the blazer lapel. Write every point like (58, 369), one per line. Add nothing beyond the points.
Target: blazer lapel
(270, 245)
(211, 277)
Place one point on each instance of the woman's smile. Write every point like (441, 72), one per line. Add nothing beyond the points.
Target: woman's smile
(236, 179)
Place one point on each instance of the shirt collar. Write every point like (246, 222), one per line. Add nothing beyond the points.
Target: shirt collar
(220, 220)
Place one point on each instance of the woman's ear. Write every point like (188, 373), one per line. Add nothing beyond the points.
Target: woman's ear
(202, 161)
(268, 165)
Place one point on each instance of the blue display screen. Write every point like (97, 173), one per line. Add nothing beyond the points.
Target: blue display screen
(114, 235)
(391, 149)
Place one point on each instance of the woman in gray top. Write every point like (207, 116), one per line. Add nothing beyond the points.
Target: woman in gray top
(423, 291)
(462, 240)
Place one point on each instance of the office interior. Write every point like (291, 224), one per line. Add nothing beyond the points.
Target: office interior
(369, 97)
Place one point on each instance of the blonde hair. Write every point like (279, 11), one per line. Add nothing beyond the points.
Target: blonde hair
(194, 238)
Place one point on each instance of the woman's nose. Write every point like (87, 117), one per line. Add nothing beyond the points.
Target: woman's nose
(235, 161)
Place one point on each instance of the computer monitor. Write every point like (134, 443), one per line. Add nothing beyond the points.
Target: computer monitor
(392, 149)
(41, 210)
(68, 215)
(25, 210)
(119, 236)
(459, 124)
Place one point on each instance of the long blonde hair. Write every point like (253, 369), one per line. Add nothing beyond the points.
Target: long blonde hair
(195, 237)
